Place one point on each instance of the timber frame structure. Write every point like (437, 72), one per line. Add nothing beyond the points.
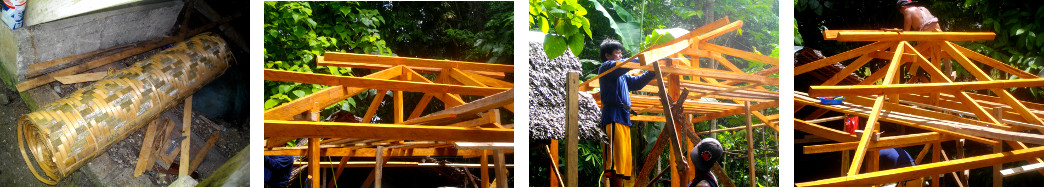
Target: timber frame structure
(944, 109)
(464, 129)
(677, 63)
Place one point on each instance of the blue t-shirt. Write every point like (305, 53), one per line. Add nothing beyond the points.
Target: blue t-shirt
(615, 95)
(894, 158)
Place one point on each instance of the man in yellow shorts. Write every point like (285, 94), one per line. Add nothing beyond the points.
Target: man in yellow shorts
(616, 110)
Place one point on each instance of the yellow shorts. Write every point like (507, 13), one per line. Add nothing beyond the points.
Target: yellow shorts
(623, 163)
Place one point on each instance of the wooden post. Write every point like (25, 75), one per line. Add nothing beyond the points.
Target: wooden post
(960, 155)
(936, 152)
(846, 157)
(750, 146)
(998, 179)
(553, 151)
(484, 171)
(398, 107)
(572, 128)
(379, 168)
(498, 157)
(186, 125)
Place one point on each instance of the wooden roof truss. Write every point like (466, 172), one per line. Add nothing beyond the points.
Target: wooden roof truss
(412, 133)
(678, 62)
(941, 106)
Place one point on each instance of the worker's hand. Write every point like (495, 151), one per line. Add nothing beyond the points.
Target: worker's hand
(635, 72)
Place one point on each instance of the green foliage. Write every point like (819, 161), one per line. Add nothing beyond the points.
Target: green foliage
(563, 24)
(296, 33)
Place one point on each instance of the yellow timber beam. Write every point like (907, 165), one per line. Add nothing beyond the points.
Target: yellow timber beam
(819, 91)
(877, 35)
(372, 83)
(900, 174)
(304, 129)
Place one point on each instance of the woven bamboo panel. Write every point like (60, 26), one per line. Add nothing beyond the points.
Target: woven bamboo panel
(64, 135)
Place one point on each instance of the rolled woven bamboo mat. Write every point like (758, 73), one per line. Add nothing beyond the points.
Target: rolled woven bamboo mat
(65, 134)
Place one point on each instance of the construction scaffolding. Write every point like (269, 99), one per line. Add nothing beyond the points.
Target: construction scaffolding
(933, 104)
(680, 76)
(464, 129)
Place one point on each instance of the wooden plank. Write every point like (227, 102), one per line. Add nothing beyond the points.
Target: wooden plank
(397, 109)
(372, 83)
(501, 172)
(85, 77)
(186, 125)
(370, 152)
(379, 169)
(671, 127)
(473, 108)
(957, 129)
(467, 80)
(49, 77)
(871, 123)
(163, 158)
(334, 59)
(709, 73)
(735, 111)
(818, 91)
(841, 57)
(448, 100)
(1006, 96)
(878, 35)
(420, 106)
(278, 128)
(374, 105)
(750, 147)
(847, 71)
(994, 63)
(824, 132)
(553, 154)
(145, 154)
(321, 60)
(900, 174)
(198, 158)
(484, 172)
(572, 128)
(740, 53)
(883, 143)
(324, 98)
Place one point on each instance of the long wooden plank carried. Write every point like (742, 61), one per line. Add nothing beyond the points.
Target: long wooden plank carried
(818, 91)
(708, 73)
(302, 129)
(324, 98)
(372, 83)
(878, 35)
(900, 174)
(334, 59)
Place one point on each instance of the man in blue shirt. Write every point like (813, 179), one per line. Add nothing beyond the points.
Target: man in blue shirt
(616, 109)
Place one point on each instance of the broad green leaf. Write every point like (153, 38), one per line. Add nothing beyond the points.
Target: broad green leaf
(554, 46)
(576, 43)
(543, 25)
(271, 103)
